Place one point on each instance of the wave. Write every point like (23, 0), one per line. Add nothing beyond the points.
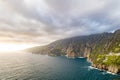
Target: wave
(103, 71)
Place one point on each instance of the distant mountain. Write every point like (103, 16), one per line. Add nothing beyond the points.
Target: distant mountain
(92, 46)
(81, 46)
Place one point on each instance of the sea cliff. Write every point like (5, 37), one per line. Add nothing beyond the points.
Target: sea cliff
(96, 47)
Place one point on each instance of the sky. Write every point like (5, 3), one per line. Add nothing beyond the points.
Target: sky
(40, 22)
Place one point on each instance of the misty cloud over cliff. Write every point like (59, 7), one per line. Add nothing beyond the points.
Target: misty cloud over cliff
(43, 21)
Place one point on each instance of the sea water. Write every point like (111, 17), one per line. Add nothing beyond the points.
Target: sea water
(27, 66)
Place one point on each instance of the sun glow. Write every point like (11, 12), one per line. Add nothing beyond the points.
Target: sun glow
(8, 47)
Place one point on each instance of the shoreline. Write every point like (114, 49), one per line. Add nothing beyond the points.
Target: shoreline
(96, 67)
(92, 65)
(102, 69)
(108, 72)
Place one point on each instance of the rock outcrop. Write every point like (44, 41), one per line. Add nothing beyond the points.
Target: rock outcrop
(113, 69)
(84, 46)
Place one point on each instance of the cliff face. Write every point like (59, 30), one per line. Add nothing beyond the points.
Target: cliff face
(77, 46)
(82, 46)
(91, 46)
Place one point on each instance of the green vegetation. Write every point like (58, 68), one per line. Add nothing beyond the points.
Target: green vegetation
(98, 46)
(113, 60)
(56, 52)
(117, 49)
(108, 54)
(106, 59)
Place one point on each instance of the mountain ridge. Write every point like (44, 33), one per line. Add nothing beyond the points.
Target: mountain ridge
(94, 47)
(65, 44)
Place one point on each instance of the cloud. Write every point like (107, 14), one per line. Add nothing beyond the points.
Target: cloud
(43, 21)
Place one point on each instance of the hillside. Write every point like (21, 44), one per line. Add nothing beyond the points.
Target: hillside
(96, 47)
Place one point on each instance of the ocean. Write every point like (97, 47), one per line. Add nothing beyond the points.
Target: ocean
(27, 66)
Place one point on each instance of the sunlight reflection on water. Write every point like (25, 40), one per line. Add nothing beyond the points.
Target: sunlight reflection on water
(42, 67)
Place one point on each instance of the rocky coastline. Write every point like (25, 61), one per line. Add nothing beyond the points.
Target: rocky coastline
(96, 47)
(113, 69)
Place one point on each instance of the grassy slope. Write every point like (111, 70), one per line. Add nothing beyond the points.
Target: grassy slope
(110, 57)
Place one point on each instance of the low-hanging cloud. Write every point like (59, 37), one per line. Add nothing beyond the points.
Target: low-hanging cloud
(43, 21)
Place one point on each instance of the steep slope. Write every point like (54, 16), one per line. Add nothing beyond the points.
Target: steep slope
(109, 59)
(80, 46)
(102, 49)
